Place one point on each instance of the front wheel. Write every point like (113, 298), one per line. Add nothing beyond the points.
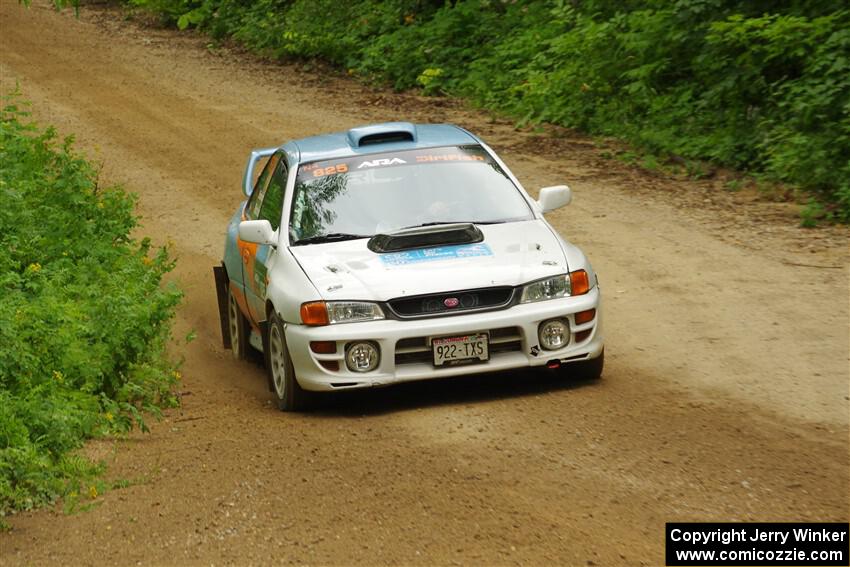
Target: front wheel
(290, 396)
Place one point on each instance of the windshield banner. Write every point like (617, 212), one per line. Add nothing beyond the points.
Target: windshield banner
(449, 154)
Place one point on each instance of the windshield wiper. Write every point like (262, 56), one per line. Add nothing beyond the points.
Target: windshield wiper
(330, 237)
(437, 223)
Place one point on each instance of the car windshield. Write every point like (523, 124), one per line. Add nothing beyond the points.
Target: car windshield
(362, 196)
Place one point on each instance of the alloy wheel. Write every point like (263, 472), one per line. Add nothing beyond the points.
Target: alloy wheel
(233, 320)
(277, 360)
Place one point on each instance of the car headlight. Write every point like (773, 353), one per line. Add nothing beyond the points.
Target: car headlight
(350, 311)
(550, 288)
(563, 285)
(330, 312)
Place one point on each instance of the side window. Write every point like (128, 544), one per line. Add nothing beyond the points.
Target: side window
(252, 210)
(272, 207)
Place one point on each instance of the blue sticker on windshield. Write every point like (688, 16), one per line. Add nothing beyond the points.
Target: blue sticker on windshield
(430, 254)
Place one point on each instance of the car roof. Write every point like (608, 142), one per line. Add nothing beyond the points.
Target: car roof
(378, 138)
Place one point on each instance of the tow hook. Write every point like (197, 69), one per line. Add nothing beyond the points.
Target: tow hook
(553, 364)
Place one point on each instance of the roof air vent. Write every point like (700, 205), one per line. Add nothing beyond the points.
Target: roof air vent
(382, 134)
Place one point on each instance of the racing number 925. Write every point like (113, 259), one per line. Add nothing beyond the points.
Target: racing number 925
(330, 170)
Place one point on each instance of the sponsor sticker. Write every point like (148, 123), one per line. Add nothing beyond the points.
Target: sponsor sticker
(434, 254)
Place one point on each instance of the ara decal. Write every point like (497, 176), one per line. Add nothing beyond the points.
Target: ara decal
(381, 162)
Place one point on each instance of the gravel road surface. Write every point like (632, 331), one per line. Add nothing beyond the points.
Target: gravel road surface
(725, 395)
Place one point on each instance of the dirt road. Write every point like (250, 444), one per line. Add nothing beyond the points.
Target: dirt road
(725, 395)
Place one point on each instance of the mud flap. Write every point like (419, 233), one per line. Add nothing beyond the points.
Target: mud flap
(221, 283)
(264, 334)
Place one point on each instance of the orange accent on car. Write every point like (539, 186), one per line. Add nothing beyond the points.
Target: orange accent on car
(582, 335)
(248, 252)
(585, 316)
(314, 313)
(579, 282)
(323, 347)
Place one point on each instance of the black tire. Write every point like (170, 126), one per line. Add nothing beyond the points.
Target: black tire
(288, 393)
(237, 325)
(587, 369)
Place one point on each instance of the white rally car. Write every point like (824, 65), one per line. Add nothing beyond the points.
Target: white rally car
(397, 252)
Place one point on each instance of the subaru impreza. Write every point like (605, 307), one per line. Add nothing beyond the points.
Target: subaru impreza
(397, 252)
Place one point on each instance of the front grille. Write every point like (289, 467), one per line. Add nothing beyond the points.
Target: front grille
(417, 349)
(449, 303)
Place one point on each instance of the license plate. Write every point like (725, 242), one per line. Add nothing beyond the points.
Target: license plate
(466, 348)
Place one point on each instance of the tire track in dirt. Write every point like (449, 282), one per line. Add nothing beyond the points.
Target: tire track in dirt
(724, 399)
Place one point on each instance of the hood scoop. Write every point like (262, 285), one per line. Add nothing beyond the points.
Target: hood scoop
(426, 237)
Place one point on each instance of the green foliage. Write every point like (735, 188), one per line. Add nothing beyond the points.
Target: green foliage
(811, 214)
(172, 12)
(752, 84)
(83, 318)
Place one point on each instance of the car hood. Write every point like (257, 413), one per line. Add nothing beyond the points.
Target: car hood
(510, 254)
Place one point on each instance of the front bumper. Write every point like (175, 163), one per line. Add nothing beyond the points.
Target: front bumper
(405, 345)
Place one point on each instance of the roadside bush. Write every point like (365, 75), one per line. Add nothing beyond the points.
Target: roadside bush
(84, 320)
(760, 86)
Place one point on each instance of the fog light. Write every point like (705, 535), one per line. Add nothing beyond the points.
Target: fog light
(554, 334)
(362, 357)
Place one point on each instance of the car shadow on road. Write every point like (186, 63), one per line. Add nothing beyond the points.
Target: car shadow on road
(445, 391)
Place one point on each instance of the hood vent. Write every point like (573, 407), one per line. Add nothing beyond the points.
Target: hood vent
(426, 237)
(381, 134)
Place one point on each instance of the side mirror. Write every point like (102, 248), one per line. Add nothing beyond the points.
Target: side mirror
(555, 197)
(248, 178)
(258, 232)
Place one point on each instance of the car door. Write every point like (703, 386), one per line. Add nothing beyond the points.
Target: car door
(258, 260)
(241, 278)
